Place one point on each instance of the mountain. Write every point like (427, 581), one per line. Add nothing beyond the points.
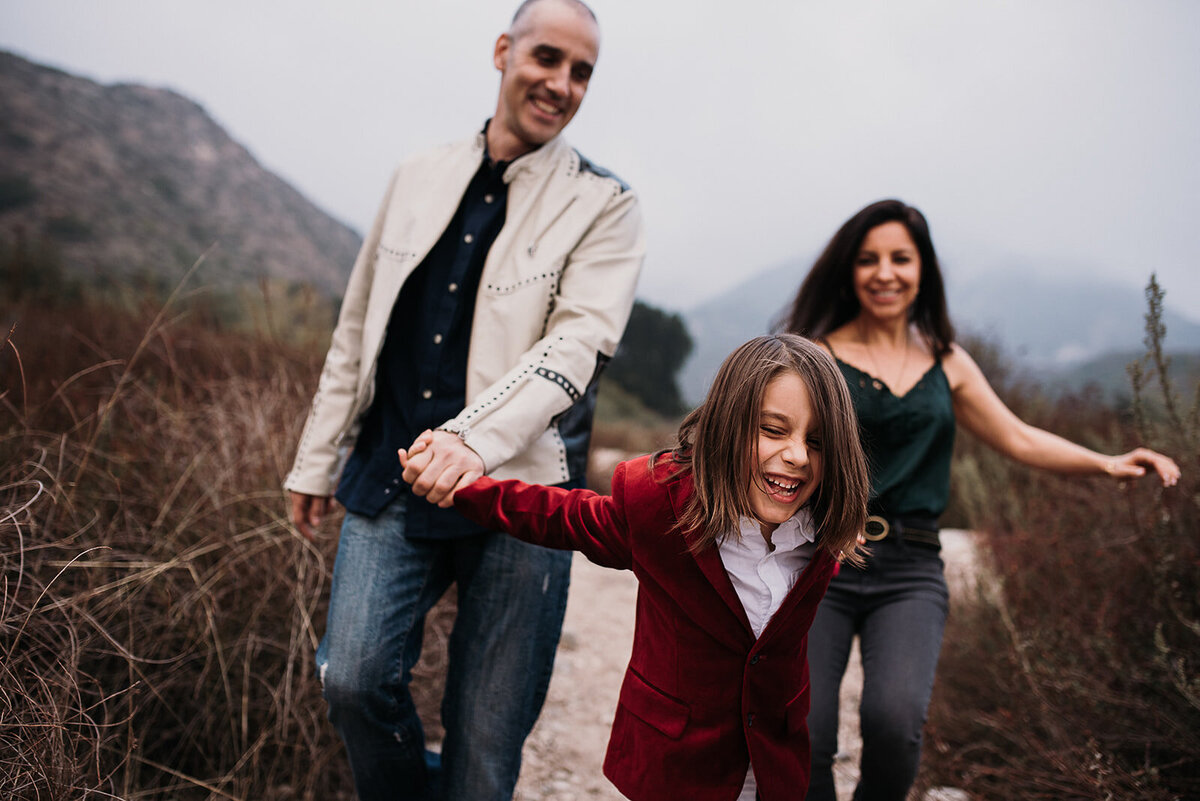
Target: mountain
(1109, 375)
(127, 181)
(1046, 324)
(1053, 323)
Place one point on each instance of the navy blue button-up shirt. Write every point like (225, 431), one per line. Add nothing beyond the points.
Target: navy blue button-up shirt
(421, 380)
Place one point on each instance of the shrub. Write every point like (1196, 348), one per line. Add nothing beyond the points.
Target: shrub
(68, 228)
(16, 191)
(1079, 681)
(157, 614)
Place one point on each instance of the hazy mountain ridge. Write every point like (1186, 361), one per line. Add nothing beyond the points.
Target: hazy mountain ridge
(127, 180)
(1051, 327)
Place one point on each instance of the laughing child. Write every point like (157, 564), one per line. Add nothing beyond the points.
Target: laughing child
(733, 536)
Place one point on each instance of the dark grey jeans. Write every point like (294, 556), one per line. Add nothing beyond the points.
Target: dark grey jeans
(897, 606)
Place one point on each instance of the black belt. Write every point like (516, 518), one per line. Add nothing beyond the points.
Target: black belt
(915, 531)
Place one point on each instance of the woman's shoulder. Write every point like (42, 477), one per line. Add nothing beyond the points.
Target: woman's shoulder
(842, 337)
(958, 366)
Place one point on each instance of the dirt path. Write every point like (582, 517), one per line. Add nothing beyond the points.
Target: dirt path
(563, 755)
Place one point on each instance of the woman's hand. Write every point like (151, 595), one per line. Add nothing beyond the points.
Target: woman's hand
(1135, 463)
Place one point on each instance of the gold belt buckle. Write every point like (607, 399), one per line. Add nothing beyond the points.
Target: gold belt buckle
(876, 528)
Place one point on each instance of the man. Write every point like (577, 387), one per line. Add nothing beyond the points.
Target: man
(493, 286)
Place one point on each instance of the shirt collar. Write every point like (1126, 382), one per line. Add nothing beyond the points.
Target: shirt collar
(797, 530)
(488, 164)
(543, 153)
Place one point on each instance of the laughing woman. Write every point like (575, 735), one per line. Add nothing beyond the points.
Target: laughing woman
(875, 300)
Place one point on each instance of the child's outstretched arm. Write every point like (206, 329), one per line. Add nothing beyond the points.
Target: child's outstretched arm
(576, 520)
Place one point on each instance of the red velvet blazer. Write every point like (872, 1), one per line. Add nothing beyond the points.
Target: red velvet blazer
(701, 698)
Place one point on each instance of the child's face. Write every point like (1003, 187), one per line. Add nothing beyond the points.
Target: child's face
(788, 457)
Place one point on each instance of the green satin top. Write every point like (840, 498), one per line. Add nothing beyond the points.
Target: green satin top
(908, 441)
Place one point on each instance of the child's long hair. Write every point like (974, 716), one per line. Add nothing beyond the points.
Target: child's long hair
(718, 444)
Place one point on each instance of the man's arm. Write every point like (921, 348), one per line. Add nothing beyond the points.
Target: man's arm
(307, 512)
(592, 305)
(314, 470)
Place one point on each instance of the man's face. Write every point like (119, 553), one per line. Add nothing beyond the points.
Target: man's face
(545, 64)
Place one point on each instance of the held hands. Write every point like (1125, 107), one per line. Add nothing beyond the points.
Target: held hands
(1135, 463)
(437, 464)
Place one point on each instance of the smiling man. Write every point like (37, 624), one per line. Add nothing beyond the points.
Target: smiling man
(492, 288)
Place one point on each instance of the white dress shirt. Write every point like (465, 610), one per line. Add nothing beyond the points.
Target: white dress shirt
(763, 575)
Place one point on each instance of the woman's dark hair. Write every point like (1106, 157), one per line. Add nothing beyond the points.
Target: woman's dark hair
(718, 444)
(826, 298)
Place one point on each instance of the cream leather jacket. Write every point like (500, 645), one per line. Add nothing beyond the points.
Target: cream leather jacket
(555, 294)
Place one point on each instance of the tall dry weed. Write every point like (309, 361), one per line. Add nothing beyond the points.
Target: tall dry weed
(1080, 681)
(157, 613)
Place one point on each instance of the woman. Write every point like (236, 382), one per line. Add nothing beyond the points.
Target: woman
(875, 300)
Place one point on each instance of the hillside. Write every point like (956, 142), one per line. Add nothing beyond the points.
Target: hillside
(1054, 327)
(127, 181)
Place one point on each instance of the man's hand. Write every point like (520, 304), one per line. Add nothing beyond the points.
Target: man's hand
(307, 511)
(437, 464)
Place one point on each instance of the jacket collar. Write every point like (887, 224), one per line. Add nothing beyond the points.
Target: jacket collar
(535, 161)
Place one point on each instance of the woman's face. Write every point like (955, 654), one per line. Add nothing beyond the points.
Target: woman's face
(887, 271)
(787, 460)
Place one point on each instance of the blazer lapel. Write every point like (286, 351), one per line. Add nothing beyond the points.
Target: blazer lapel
(815, 578)
(710, 564)
(714, 570)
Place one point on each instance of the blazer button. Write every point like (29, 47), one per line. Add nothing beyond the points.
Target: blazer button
(750, 720)
(754, 659)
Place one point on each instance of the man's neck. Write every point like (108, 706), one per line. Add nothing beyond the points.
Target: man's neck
(503, 146)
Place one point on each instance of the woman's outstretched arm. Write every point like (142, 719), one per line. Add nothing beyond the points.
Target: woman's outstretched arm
(979, 409)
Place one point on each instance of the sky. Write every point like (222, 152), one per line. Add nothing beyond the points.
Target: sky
(1058, 136)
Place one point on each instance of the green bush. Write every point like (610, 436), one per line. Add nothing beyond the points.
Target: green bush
(16, 191)
(647, 363)
(68, 228)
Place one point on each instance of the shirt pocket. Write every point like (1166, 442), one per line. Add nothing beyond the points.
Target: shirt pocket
(394, 255)
(653, 706)
(539, 252)
(523, 273)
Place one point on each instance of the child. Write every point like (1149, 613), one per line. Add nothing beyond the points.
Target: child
(733, 536)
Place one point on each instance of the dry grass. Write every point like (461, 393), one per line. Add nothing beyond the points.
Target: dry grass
(1081, 683)
(158, 615)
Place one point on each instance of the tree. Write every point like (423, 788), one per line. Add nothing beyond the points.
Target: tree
(647, 362)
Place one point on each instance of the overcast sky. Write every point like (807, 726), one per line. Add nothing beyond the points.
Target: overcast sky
(1062, 134)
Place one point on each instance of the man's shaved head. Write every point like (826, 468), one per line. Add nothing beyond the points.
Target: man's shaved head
(519, 21)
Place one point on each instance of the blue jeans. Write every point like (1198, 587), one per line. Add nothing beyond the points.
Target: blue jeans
(511, 600)
(897, 606)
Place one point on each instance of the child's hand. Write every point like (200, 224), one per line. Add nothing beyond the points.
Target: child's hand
(420, 444)
(437, 464)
